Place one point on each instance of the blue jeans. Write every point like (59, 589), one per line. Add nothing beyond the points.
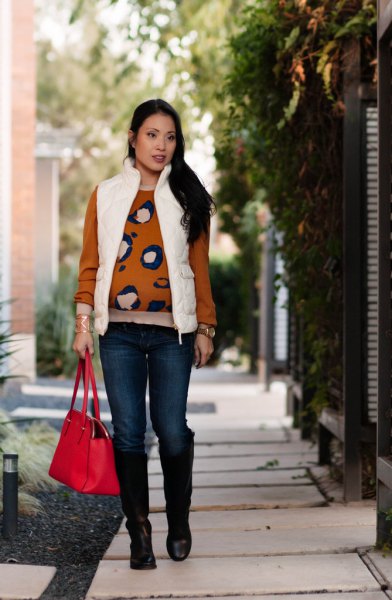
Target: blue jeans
(132, 353)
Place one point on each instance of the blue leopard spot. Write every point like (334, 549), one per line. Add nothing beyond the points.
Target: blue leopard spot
(125, 248)
(143, 214)
(133, 234)
(122, 268)
(152, 257)
(156, 305)
(127, 299)
(169, 308)
(161, 282)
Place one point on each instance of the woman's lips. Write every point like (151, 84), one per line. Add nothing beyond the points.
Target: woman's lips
(159, 158)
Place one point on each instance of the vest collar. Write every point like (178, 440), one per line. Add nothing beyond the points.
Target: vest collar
(132, 175)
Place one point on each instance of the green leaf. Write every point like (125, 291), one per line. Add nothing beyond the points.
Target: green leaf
(292, 38)
(354, 24)
(291, 108)
(325, 56)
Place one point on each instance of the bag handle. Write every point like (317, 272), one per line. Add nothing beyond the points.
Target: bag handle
(85, 367)
(77, 381)
(89, 365)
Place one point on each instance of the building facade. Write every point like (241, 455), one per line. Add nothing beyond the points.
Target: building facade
(17, 181)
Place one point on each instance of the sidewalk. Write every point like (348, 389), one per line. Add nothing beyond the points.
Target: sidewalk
(260, 525)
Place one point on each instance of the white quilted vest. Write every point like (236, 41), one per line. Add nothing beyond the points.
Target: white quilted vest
(114, 200)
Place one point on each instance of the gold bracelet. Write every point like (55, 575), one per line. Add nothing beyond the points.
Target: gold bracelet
(83, 324)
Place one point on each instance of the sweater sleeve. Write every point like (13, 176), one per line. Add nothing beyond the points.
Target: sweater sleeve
(199, 262)
(89, 259)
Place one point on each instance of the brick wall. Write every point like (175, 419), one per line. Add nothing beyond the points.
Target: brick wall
(23, 167)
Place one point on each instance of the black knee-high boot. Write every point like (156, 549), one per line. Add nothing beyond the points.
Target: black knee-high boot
(177, 477)
(132, 474)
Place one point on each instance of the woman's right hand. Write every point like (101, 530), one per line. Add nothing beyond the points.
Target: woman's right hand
(81, 342)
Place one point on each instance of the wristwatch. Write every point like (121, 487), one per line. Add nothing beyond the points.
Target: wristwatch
(208, 331)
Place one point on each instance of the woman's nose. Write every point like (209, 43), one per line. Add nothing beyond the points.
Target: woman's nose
(161, 143)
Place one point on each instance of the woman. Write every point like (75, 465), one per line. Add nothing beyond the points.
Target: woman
(144, 272)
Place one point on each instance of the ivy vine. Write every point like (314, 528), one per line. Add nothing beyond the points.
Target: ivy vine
(285, 93)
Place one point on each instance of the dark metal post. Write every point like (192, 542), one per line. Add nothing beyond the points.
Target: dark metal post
(10, 495)
(267, 308)
(352, 284)
(384, 464)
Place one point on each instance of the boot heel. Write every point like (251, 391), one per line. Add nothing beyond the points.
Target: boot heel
(142, 556)
(179, 541)
(144, 564)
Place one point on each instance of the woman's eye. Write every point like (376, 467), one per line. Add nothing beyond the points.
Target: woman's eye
(171, 138)
(151, 134)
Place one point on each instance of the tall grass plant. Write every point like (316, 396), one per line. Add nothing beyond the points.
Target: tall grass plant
(34, 446)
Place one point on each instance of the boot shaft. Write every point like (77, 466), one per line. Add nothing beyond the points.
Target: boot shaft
(133, 477)
(177, 477)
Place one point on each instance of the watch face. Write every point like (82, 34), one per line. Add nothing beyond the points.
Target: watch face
(211, 331)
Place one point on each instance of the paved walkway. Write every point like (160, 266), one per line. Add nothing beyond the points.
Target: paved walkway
(260, 525)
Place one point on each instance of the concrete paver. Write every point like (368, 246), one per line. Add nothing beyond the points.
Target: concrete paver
(239, 406)
(24, 582)
(383, 563)
(243, 449)
(293, 477)
(247, 436)
(246, 463)
(200, 421)
(259, 543)
(306, 547)
(272, 519)
(229, 576)
(246, 498)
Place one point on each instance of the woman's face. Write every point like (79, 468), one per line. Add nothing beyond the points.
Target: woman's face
(154, 146)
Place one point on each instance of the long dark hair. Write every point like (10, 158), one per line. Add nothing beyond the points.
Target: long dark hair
(197, 203)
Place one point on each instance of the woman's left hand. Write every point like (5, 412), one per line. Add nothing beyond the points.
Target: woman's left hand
(203, 350)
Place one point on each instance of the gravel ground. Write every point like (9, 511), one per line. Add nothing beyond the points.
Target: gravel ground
(71, 534)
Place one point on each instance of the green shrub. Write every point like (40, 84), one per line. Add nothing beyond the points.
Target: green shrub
(55, 322)
(55, 329)
(226, 278)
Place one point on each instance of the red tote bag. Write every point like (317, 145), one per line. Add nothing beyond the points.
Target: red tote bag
(84, 457)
